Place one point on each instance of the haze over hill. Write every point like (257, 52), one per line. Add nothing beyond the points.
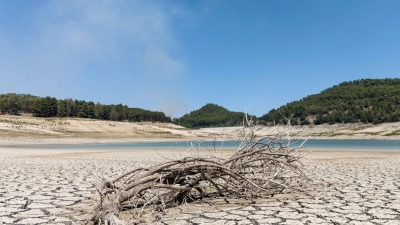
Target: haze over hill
(350, 108)
(177, 56)
(360, 101)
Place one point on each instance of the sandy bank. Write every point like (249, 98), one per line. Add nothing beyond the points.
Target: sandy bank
(21, 130)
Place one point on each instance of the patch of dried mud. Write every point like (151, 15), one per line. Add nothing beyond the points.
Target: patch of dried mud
(55, 186)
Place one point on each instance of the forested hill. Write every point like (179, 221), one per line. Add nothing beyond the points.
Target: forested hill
(48, 107)
(366, 101)
(210, 115)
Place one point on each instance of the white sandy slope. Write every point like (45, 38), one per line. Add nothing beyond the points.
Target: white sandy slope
(21, 130)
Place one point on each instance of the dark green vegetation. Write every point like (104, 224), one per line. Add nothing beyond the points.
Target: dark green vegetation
(49, 107)
(366, 101)
(210, 115)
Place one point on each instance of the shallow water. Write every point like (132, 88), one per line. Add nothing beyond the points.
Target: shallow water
(310, 144)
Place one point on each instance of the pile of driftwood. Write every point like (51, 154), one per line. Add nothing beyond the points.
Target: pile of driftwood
(259, 167)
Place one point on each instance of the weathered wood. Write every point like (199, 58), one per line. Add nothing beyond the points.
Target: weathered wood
(257, 168)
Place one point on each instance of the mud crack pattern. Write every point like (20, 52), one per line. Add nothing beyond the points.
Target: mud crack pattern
(55, 187)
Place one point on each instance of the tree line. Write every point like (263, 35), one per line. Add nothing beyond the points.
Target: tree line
(210, 115)
(15, 104)
(365, 101)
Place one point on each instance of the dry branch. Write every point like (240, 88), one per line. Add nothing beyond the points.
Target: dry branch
(259, 167)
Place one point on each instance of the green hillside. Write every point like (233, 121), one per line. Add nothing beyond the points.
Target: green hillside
(210, 115)
(366, 101)
(15, 104)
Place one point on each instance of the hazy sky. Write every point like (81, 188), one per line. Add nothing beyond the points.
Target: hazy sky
(176, 56)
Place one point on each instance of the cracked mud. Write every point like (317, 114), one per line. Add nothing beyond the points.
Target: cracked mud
(55, 187)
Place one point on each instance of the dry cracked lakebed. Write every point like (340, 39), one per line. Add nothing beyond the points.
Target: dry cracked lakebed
(55, 187)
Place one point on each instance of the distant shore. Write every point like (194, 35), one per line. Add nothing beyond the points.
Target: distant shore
(78, 141)
(26, 130)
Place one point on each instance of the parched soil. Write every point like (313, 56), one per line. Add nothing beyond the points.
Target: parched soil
(55, 187)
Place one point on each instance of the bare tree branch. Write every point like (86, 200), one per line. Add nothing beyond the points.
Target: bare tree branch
(259, 167)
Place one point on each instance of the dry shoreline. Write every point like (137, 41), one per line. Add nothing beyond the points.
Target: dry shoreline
(27, 130)
(54, 186)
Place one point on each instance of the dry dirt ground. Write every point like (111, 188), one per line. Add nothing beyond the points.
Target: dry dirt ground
(30, 128)
(55, 186)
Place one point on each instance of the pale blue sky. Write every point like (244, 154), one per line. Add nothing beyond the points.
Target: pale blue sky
(176, 56)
